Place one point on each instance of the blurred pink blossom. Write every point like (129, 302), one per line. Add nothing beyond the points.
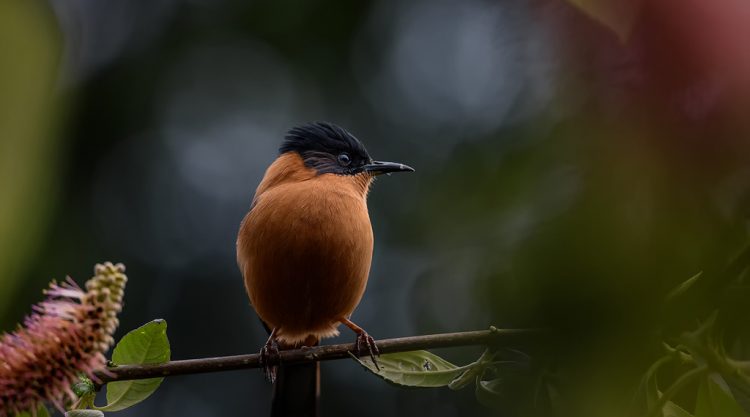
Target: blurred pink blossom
(66, 336)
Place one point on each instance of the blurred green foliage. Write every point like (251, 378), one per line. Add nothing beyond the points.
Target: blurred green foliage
(30, 54)
(641, 215)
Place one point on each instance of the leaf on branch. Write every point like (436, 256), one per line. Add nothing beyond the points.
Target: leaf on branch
(474, 372)
(147, 344)
(496, 380)
(714, 401)
(414, 369)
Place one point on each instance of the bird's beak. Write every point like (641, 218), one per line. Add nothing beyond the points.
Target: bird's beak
(379, 167)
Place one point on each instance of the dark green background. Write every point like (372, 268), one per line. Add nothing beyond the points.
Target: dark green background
(564, 180)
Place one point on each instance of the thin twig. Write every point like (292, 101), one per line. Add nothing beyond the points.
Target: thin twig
(508, 337)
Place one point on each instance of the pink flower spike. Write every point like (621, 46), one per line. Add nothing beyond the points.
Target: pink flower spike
(56, 291)
(65, 336)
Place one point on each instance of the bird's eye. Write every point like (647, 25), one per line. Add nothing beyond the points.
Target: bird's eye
(344, 159)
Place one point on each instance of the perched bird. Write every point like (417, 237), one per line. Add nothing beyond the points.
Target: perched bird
(305, 246)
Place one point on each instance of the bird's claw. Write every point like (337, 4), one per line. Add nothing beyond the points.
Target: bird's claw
(269, 360)
(364, 340)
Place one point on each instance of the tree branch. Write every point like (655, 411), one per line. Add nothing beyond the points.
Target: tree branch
(310, 354)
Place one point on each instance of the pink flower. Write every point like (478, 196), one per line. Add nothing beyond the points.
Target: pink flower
(66, 336)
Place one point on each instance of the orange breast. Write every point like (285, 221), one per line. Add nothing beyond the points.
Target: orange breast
(305, 250)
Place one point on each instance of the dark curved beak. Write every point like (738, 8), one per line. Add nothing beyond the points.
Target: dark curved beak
(379, 167)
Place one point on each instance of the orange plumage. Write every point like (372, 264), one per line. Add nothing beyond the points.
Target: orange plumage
(305, 246)
(305, 249)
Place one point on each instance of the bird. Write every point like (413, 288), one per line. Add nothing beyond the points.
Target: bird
(305, 246)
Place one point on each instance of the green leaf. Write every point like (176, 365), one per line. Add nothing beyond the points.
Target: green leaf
(144, 345)
(684, 286)
(714, 401)
(648, 391)
(673, 410)
(650, 386)
(474, 370)
(414, 369)
(739, 385)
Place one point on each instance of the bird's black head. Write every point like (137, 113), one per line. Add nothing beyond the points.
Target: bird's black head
(328, 148)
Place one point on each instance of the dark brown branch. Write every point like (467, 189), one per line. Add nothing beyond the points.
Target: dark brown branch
(508, 337)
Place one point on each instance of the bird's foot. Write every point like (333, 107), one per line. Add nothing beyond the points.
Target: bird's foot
(366, 344)
(269, 359)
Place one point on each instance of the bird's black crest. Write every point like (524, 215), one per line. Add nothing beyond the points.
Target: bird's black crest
(321, 145)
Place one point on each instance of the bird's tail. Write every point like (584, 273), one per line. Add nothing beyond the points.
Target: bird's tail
(296, 390)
